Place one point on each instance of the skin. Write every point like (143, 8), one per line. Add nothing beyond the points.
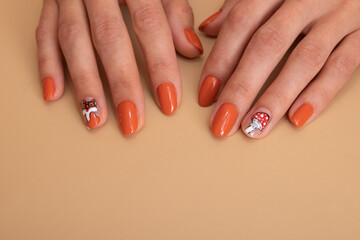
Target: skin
(71, 29)
(253, 36)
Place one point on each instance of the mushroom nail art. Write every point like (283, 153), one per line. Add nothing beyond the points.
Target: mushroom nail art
(258, 123)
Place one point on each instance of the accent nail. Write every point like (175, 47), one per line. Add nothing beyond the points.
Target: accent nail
(208, 91)
(209, 20)
(224, 120)
(194, 39)
(167, 98)
(48, 89)
(302, 115)
(89, 112)
(258, 122)
(128, 119)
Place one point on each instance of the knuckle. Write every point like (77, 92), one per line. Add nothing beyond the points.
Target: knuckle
(268, 39)
(238, 17)
(106, 30)
(279, 98)
(44, 61)
(123, 85)
(68, 32)
(323, 95)
(310, 55)
(343, 64)
(147, 19)
(242, 89)
(159, 65)
(41, 33)
(185, 10)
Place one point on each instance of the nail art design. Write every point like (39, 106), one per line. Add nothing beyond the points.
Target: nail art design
(258, 122)
(89, 108)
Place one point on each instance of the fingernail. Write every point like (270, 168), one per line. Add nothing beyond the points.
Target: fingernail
(258, 123)
(209, 20)
(224, 120)
(128, 119)
(303, 114)
(194, 39)
(90, 112)
(48, 89)
(167, 98)
(208, 91)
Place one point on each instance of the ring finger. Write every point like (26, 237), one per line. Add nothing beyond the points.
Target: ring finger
(75, 42)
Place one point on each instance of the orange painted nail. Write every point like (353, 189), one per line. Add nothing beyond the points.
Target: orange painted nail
(303, 114)
(48, 89)
(194, 39)
(208, 91)
(128, 119)
(167, 98)
(224, 120)
(209, 20)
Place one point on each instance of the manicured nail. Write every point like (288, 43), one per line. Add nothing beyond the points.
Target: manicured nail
(303, 114)
(224, 120)
(258, 122)
(128, 119)
(167, 98)
(89, 112)
(48, 89)
(209, 20)
(208, 91)
(194, 40)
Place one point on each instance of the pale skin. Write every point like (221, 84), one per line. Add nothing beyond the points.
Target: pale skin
(71, 28)
(252, 37)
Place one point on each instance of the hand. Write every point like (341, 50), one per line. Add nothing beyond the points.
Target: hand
(70, 28)
(253, 36)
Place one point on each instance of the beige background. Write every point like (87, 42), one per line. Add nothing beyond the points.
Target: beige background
(173, 180)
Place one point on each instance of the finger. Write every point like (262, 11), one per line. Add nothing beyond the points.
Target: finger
(266, 48)
(49, 53)
(245, 17)
(336, 72)
(181, 20)
(75, 42)
(303, 65)
(152, 29)
(114, 46)
(211, 26)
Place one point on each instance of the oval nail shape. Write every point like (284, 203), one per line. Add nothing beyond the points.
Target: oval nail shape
(208, 91)
(167, 98)
(127, 116)
(224, 120)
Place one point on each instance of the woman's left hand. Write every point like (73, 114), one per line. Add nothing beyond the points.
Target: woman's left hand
(254, 36)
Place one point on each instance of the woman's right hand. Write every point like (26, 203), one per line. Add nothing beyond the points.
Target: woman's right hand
(71, 28)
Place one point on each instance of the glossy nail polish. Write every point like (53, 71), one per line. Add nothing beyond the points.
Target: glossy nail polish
(258, 122)
(167, 98)
(194, 40)
(128, 119)
(89, 112)
(209, 20)
(48, 88)
(208, 91)
(302, 115)
(224, 120)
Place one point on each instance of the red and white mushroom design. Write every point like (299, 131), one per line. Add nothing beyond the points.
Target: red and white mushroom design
(259, 122)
